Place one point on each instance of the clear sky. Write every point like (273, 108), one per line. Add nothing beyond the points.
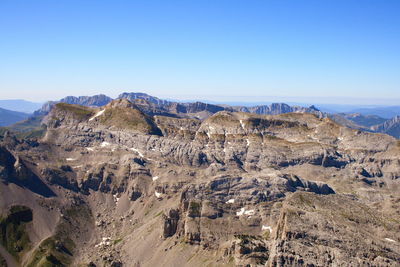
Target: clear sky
(202, 49)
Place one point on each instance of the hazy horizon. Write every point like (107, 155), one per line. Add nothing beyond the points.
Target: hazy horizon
(249, 100)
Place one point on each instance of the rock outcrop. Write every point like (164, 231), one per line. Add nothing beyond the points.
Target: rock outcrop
(391, 127)
(130, 187)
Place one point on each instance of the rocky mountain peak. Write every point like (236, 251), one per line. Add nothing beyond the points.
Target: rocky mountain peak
(132, 96)
(121, 103)
(94, 101)
(313, 108)
(89, 101)
(119, 114)
(391, 127)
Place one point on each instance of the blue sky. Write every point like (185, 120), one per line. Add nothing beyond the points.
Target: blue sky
(218, 50)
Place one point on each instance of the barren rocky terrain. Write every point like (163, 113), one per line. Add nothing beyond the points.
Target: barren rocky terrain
(127, 185)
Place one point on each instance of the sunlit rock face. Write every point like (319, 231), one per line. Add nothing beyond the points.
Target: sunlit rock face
(131, 184)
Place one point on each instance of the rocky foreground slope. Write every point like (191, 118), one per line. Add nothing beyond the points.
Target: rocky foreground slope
(120, 185)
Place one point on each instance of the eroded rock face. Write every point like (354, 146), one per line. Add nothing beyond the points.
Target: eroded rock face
(233, 189)
(7, 161)
(60, 177)
(336, 234)
(171, 220)
(250, 250)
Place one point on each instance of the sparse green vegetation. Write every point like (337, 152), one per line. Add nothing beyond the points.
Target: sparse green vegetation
(158, 214)
(270, 137)
(266, 234)
(222, 118)
(30, 128)
(27, 125)
(129, 118)
(192, 256)
(13, 235)
(36, 133)
(194, 209)
(261, 259)
(349, 216)
(393, 220)
(245, 239)
(52, 252)
(304, 199)
(80, 112)
(3, 262)
(148, 210)
(231, 259)
(116, 241)
(78, 211)
(58, 249)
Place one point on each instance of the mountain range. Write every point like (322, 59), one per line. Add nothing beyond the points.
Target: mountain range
(8, 117)
(152, 106)
(143, 182)
(20, 105)
(384, 112)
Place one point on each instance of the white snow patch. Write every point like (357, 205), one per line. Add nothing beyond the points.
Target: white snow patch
(116, 199)
(248, 142)
(266, 227)
(210, 130)
(243, 211)
(240, 212)
(137, 151)
(70, 159)
(105, 242)
(97, 114)
(230, 201)
(155, 178)
(76, 167)
(90, 148)
(390, 240)
(249, 212)
(241, 124)
(104, 144)
(158, 195)
(312, 137)
(340, 138)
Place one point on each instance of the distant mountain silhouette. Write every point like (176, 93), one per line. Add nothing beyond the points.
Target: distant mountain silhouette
(366, 119)
(8, 117)
(384, 112)
(20, 105)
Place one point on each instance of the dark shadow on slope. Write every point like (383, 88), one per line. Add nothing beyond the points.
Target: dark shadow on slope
(15, 171)
(34, 184)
